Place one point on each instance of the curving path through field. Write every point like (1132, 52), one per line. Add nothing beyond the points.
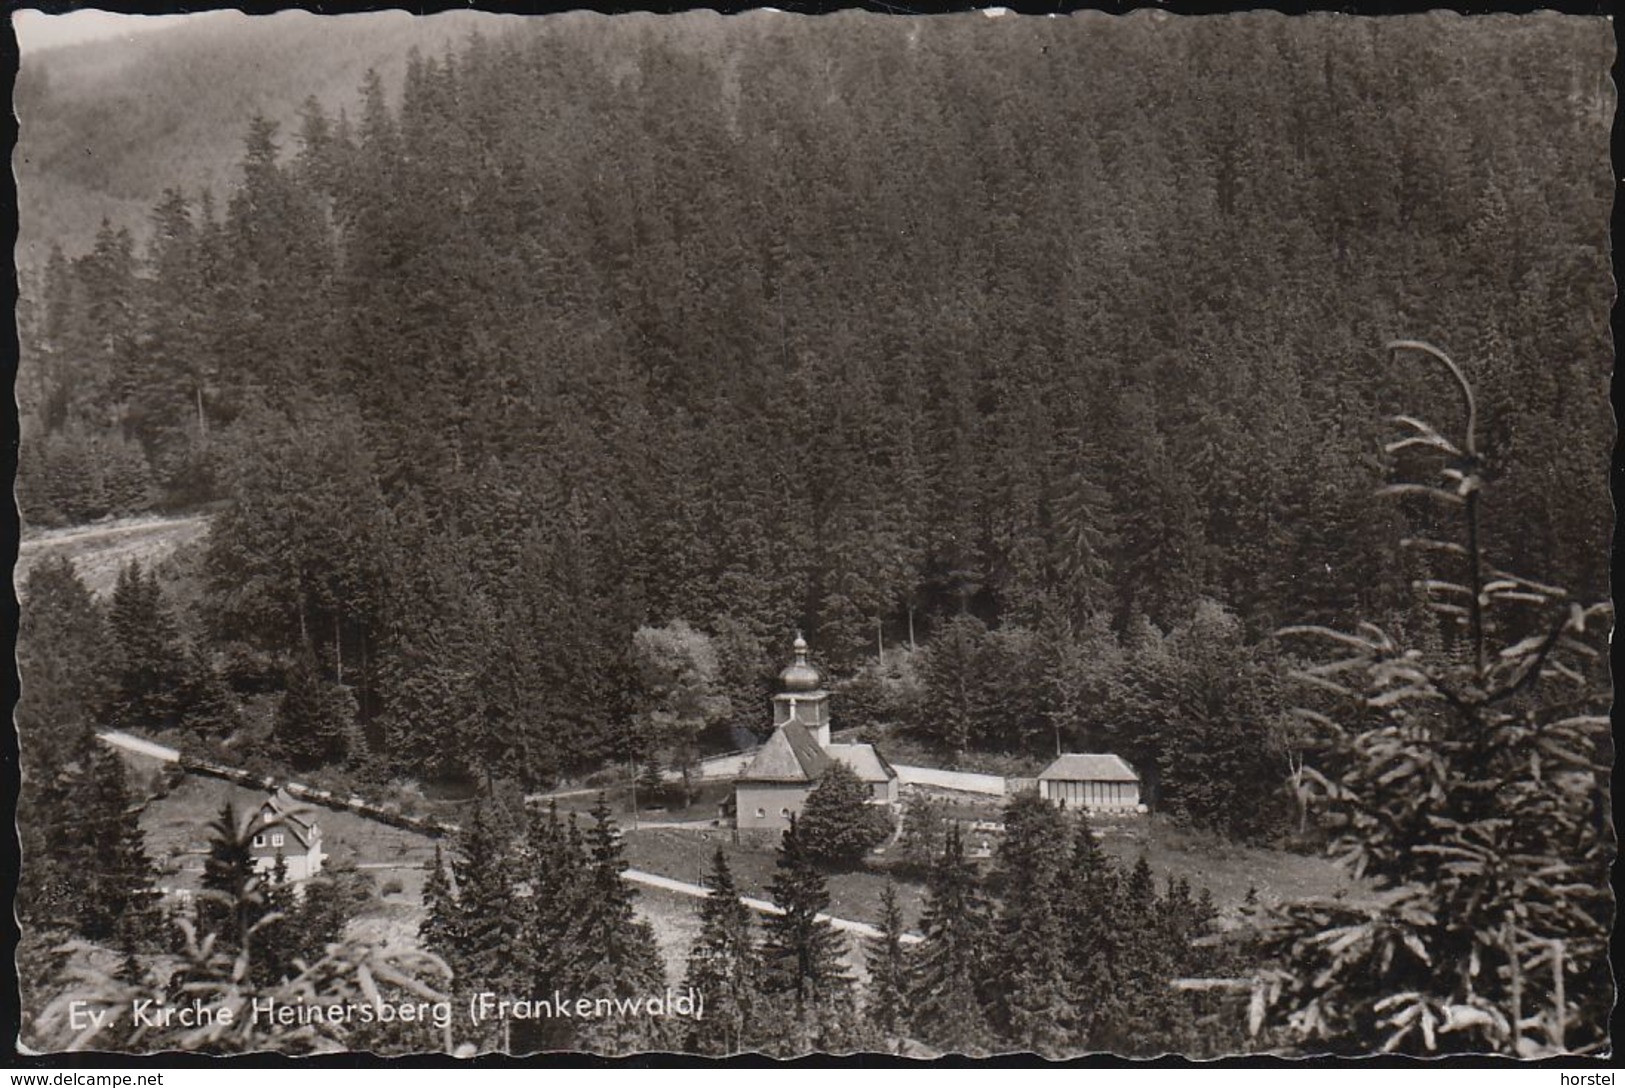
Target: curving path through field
(138, 746)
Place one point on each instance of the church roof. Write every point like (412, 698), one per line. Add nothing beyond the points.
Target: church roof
(791, 754)
(866, 762)
(1089, 767)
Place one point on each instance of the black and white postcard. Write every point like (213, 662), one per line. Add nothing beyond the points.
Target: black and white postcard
(771, 535)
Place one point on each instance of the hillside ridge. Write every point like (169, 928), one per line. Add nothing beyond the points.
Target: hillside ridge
(106, 126)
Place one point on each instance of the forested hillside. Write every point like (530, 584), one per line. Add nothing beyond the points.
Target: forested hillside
(106, 127)
(1054, 342)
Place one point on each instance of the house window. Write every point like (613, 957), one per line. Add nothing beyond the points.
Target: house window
(259, 840)
(784, 812)
(276, 840)
(761, 814)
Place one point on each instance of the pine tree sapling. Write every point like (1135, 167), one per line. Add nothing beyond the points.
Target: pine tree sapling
(1463, 781)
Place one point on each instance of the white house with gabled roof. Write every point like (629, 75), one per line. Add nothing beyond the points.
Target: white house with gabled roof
(284, 827)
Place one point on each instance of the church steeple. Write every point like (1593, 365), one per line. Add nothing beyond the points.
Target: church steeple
(799, 676)
(802, 699)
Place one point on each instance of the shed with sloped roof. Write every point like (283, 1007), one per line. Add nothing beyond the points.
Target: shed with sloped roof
(1091, 780)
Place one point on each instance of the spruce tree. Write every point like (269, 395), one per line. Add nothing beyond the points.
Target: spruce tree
(1088, 901)
(483, 938)
(722, 967)
(924, 831)
(140, 920)
(312, 722)
(1146, 1017)
(801, 953)
(174, 367)
(233, 895)
(1139, 944)
(558, 868)
(330, 900)
(950, 971)
(208, 708)
(953, 677)
(556, 864)
(1081, 540)
(437, 932)
(131, 969)
(63, 664)
(610, 952)
(277, 940)
(475, 929)
(887, 1004)
(106, 851)
(1175, 919)
(148, 671)
(1032, 1004)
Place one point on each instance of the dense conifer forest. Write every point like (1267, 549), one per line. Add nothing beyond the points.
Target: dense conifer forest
(168, 109)
(539, 386)
(1025, 337)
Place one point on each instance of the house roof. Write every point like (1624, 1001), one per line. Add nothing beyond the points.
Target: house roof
(866, 762)
(1089, 767)
(286, 812)
(791, 754)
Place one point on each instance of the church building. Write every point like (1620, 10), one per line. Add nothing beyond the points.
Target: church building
(787, 767)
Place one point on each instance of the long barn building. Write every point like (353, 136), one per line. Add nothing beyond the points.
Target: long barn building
(1098, 782)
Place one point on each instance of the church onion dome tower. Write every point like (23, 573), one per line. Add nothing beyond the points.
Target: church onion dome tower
(800, 676)
(802, 700)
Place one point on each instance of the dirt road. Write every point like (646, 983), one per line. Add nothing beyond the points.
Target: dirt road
(140, 747)
(98, 551)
